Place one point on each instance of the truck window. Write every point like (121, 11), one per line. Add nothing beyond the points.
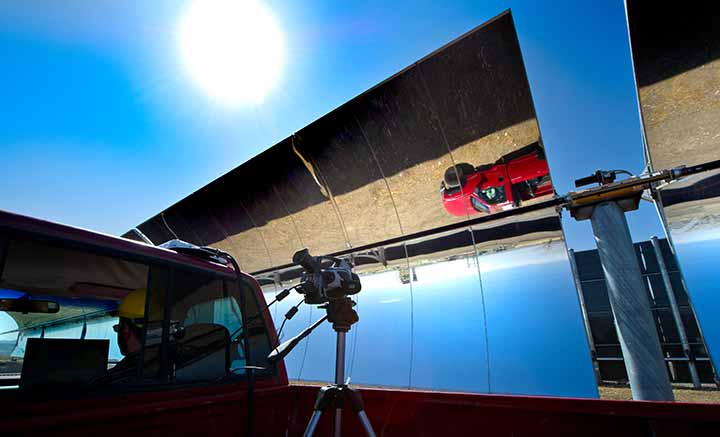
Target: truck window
(209, 341)
(205, 316)
(74, 345)
(258, 338)
(106, 321)
(492, 195)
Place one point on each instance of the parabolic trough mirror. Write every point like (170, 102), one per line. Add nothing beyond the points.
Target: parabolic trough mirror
(677, 64)
(487, 308)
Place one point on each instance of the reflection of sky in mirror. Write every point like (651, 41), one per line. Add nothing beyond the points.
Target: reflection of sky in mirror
(693, 221)
(430, 333)
(699, 256)
(449, 340)
(535, 329)
(708, 233)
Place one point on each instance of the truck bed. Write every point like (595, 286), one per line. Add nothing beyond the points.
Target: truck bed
(424, 413)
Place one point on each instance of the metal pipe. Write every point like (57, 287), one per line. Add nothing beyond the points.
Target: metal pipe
(629, 302)
(339, 377)
(312, 425)
(586, 319)
(676, 312)
(366, 423)
(340, 359)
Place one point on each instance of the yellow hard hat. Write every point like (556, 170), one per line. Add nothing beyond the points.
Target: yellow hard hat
(133, 305)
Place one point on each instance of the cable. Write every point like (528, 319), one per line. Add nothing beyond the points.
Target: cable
(412, 317)
(162, 216)
(354, 340)
(289, 315)
(282, 325)
(278, 297)
(307, 345)
(622, 172)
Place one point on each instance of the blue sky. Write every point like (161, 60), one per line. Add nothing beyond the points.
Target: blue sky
(102, 128)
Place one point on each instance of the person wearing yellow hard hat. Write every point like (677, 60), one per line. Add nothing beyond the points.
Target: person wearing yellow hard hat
(128, 329)
(129, 338)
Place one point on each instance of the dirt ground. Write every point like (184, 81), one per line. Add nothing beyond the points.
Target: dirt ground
(709, 395)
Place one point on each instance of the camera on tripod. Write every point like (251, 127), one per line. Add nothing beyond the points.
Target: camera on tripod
(331, 286)
(322, 284)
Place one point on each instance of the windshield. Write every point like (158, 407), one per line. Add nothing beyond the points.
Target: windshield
(492, 195)
(77, 318)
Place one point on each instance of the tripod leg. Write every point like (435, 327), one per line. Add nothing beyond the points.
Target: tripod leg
(359, 407)
(366, 423)
(314, 420)
(338, 422)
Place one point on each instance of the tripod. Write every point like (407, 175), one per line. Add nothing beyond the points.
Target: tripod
(341, 314)
(333, 396)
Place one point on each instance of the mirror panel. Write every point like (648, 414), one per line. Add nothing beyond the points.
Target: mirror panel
(450, 138)
(453, 136)
(677, 65)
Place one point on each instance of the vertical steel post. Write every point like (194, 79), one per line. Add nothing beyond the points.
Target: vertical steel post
(676, 312)
(629, 302)
(586, 318)
(339, 377)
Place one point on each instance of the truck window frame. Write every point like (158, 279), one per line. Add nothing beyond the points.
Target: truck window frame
(152, 263)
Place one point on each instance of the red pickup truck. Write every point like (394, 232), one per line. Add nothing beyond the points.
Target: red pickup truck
(514, 178)
(62, 290)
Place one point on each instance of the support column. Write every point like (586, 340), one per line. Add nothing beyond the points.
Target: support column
(676, 312)
(630, 305)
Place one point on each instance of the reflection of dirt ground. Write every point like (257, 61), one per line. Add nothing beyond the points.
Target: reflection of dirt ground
(463, 252)
(369, 212)
(482, 247)
(693, 217)
(700, 216)
(682, 117)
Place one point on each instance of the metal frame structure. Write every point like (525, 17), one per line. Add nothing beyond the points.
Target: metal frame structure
(580, 262)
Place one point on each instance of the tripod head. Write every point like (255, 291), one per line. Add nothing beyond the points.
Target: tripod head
(340, 313)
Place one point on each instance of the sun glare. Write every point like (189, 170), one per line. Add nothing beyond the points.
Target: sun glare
(233, 49)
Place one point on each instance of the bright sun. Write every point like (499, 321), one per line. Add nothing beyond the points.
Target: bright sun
(232, 48)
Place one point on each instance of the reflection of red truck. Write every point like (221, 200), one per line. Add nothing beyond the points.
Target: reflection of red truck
(514, 178)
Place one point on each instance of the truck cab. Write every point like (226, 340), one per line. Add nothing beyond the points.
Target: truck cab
(65, 366)
(505, 184)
